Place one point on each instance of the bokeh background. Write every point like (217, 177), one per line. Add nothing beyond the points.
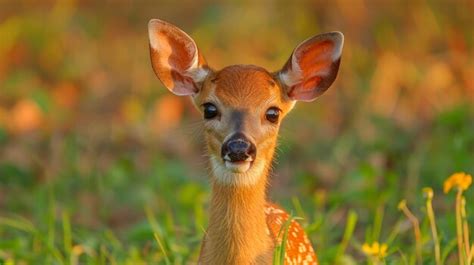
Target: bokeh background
(97, 157)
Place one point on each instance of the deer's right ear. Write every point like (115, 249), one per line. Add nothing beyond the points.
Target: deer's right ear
(175, 58)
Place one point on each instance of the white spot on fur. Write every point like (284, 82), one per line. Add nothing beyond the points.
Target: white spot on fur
(302, 248)
(277, 211)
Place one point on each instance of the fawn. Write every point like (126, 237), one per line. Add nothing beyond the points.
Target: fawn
(242, 108)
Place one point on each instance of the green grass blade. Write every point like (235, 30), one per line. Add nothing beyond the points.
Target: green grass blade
(280, 249)
(348, 232)
(67, 234)
(162, 248)
(379, 214)
(449, 247)
(19, 224)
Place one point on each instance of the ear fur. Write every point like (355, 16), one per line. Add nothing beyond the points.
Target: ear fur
(312, 67)
(175, 58)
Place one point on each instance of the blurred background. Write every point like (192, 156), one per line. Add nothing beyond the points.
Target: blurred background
(89, 135)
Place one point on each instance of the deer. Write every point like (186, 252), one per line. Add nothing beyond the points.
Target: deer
(242, 107)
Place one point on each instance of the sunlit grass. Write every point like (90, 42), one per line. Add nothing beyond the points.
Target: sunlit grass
(52, 223)
(60, 243)
(280, 248)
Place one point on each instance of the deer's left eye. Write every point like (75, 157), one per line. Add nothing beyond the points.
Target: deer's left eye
(272, 114)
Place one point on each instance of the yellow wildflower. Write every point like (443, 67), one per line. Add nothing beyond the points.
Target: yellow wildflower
(428, 192)
(78, 250)
(375, 250)
(402, 204)
(460, 180)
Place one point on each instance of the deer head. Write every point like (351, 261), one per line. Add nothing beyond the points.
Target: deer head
(242, 105)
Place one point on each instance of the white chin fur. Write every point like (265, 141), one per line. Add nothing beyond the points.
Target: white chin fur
(239, 167)
(239, 174)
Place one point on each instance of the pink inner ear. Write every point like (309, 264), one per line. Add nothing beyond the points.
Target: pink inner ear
(306, 90)
(311, 83)
(183, 85)
(315, 69)
(172, 55)
(315, 59)
(181, 54)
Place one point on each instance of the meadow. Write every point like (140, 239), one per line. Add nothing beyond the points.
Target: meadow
(100, 164)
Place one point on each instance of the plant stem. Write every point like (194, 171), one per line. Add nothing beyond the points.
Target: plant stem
(416, 228)
(459, 229)
(434, 232)
(465, 230)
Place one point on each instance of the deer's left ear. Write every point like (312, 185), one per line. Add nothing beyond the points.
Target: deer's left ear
(312, 67)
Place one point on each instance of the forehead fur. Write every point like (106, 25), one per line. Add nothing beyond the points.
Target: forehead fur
(245, 85)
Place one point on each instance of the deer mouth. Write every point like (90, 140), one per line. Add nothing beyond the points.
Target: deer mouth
(238, 172)
(240, 166)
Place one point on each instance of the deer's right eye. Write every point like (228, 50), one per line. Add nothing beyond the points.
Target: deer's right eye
(210, 111)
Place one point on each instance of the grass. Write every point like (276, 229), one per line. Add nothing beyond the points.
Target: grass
(280, 248)
(128, 213)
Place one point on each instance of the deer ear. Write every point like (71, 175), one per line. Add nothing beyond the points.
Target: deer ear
(312, 67)
(175, 58)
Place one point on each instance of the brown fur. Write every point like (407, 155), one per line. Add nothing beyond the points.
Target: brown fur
(237, 223)
(237, 226)
(251, 90)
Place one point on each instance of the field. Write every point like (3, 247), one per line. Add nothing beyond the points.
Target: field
(100, 164)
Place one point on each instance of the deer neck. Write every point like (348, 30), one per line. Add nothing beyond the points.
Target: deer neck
(238, 232)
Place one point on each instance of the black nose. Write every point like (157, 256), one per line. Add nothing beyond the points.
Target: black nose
(238, 148)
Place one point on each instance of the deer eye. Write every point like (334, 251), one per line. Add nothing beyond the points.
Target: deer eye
(210, 111)
(272, 114)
